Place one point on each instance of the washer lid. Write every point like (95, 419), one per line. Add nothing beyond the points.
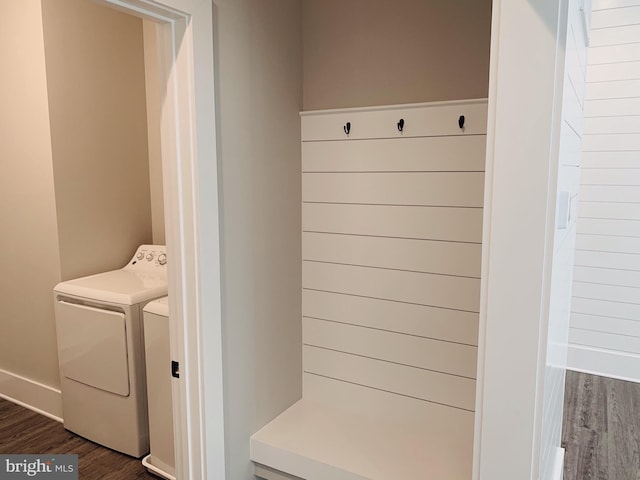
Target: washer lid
(125, 287)
(158, 307)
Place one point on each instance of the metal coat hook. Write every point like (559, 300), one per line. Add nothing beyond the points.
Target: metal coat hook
(401, 125)
(461, 121)
(347, 128)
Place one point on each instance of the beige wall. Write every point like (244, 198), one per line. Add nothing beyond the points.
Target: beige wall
(28, 238)
(260, 95)
(153, 67)
(96, 86)
(74, 193)
(363, 53)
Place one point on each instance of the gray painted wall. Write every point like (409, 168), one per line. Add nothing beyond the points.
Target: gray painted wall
(29, 238)
(259, 58)
(74, 194)
(363, 53)
(97, 112)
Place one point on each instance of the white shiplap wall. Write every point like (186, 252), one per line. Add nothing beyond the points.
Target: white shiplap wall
(391, 253)
(571, 138)
(605, 321)
(391, 250)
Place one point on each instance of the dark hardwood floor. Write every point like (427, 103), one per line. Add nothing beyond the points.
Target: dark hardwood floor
(601, 428)
(24, 431)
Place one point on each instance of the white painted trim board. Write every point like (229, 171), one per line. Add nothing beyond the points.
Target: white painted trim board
(189, 148)
(30, 394)
(605, 363)
(558, 465)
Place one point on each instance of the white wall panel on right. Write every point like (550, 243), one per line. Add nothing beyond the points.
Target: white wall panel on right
(605, 320)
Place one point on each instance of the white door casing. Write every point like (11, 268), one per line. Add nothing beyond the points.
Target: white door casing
(190, 183)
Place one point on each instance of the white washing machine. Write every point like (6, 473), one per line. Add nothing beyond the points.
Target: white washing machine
(161, 459)
(101, 350)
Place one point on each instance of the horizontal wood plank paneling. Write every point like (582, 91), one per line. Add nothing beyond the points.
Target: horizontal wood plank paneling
(607, 72)
(613, 125)
(598, 5)
(608, 243)
(391, 245)
(606, 289)
(449, 189)
(612, 107)
(610, 210)
(615, 17)
(439, 420)
(619, 326)
(425, 353)
(458, 293)
(622, 228)
(610, 159)
(605, 308)
(429, 223)
(411, 382)
(614, 36)
(609, 341)
(612, 176)
(607, 276)
(621, 89)
(622, 261)
(611, 293)
(428, 154)
(616, 53)
(612, 142)
(427, 256)
(609, 193)
(409, 318)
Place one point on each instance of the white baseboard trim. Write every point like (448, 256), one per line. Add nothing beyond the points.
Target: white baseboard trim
(30, 394)
(558, 465)
(605, 363)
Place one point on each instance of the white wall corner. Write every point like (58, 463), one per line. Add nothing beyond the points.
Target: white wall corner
(30, 394)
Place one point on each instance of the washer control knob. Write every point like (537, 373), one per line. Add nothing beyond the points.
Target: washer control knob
(140, 256)
(162, 259)
(150, 257)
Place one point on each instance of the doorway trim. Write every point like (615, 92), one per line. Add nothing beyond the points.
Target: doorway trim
(518, 235)
(189, 162)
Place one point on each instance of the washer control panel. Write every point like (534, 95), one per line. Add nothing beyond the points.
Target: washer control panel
(149, 258)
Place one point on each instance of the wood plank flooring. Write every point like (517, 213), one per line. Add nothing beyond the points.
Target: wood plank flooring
(601, 428)
(24, 431)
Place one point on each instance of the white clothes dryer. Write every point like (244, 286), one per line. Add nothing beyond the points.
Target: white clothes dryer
(101, 350)
(161, 459)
